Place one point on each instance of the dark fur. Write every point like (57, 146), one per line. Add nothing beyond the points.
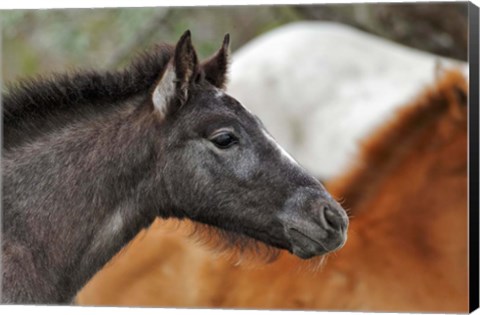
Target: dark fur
(89, 159)
(34, 107)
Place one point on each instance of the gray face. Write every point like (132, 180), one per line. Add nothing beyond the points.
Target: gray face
(218, 164)
(224, 169)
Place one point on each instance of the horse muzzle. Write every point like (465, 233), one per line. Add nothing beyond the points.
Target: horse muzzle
(314, 223)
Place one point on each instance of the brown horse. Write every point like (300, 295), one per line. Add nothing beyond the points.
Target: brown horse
(407, 249)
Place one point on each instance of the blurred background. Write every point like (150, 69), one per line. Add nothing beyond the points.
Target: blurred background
(347, 71)
(49, 40)
(322, 78)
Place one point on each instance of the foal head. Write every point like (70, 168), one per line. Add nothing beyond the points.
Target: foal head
(220, 166)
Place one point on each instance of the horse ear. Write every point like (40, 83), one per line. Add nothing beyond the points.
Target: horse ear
(215, 68)
(171, 91)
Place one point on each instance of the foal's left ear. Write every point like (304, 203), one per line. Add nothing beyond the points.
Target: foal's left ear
(215, 68)
(171, 91)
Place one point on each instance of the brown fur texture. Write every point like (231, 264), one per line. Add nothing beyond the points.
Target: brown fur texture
(407, 246)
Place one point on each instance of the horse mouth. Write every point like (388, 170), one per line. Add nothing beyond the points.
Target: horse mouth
(306, 246)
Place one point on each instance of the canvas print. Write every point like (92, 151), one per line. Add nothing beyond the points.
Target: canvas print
(301, 157)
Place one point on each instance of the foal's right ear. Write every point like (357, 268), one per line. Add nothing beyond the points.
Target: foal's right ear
(171, 91)
(216, 67)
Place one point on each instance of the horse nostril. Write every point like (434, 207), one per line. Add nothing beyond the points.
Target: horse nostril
(332, 219)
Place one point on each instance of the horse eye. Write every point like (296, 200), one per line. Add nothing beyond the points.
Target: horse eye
(224, 140)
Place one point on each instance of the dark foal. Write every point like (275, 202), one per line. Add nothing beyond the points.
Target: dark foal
(90, 159)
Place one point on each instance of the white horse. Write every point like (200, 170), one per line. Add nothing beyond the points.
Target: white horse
(321, 87)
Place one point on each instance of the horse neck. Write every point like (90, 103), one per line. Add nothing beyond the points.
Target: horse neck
(410, 210)
(89, 186)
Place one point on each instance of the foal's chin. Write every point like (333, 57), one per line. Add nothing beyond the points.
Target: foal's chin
(236, 247)
(239, 248)
(307, 246)
(311, 250)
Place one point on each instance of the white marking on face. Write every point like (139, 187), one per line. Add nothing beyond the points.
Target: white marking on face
(282, 150)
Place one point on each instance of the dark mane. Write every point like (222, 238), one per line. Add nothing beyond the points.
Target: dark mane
(33, 107)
